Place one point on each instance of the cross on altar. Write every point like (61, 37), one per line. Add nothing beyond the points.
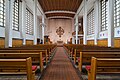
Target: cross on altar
(59, 31)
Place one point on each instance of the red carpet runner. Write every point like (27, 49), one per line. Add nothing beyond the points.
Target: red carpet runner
(60, 68)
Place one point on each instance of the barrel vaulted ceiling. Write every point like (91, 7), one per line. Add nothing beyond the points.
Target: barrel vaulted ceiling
(66, 8)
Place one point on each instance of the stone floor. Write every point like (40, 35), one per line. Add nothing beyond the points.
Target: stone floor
(17, 77)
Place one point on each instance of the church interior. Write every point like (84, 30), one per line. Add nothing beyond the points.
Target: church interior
(59, 39)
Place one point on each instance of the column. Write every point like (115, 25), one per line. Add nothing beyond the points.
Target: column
(76, 29)
(111, 23)
(73, 29)
(73, 40)
(85, 23)
(96, 19)
(43, 28)
(8, 23)
(23, 22)
(35, 21)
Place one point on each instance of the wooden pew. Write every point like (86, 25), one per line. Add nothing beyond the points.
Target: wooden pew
(76, 52)
(18, 66)
(36, 57)
(68, 50)
(85, 56)
(72, 48)
(86, 47)
(44, 52)
(103, 65)
(49, 48)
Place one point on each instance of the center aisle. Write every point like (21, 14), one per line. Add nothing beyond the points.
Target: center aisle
(60, 68)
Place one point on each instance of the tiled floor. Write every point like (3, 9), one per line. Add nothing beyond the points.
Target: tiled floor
(17, 77)
(101, 76)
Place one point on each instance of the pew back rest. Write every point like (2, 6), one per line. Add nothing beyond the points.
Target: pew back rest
(36, 57)
(104, 65)
(85, 57)
(16, 66)
(44, 52)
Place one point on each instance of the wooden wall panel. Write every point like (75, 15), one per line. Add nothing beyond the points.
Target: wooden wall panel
(90, 42)
(103, 42)
(2, 42)
(17, 42)
(61, 5)
(81, 41)
(117, 42)
(29, 42)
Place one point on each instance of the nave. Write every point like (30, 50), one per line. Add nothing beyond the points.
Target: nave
(61, 65)
(32, 30)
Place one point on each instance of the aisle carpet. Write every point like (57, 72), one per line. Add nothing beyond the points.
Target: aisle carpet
(60, 68)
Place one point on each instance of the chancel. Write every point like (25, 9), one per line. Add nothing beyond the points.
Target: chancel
(60, 39)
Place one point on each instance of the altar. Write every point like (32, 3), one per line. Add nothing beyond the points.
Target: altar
(60, 43)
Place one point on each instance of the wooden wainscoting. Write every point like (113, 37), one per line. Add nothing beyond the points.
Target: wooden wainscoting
(81, 41)
(103, 42)
(90, 42)
(117, 42)
(2, 42)
(29, 42)
(17, 42)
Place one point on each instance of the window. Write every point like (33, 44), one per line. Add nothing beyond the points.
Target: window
(104, 15)
(29, 22)
(16, 15)
(90, 22)
(2, 13)
(117, 13)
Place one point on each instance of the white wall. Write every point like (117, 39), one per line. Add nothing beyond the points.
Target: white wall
(17, 34)
(54, 24)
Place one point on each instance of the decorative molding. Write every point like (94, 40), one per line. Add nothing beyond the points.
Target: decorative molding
(79, 9)
(40, 9)
(58, 11)
(62, 17)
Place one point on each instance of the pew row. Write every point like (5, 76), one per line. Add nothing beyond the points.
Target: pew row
(36, 57)
(48, 48)
(72, 48)
(85, 57)
(76, 54)
(44, 52)
(18, 66)
(103, 65)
